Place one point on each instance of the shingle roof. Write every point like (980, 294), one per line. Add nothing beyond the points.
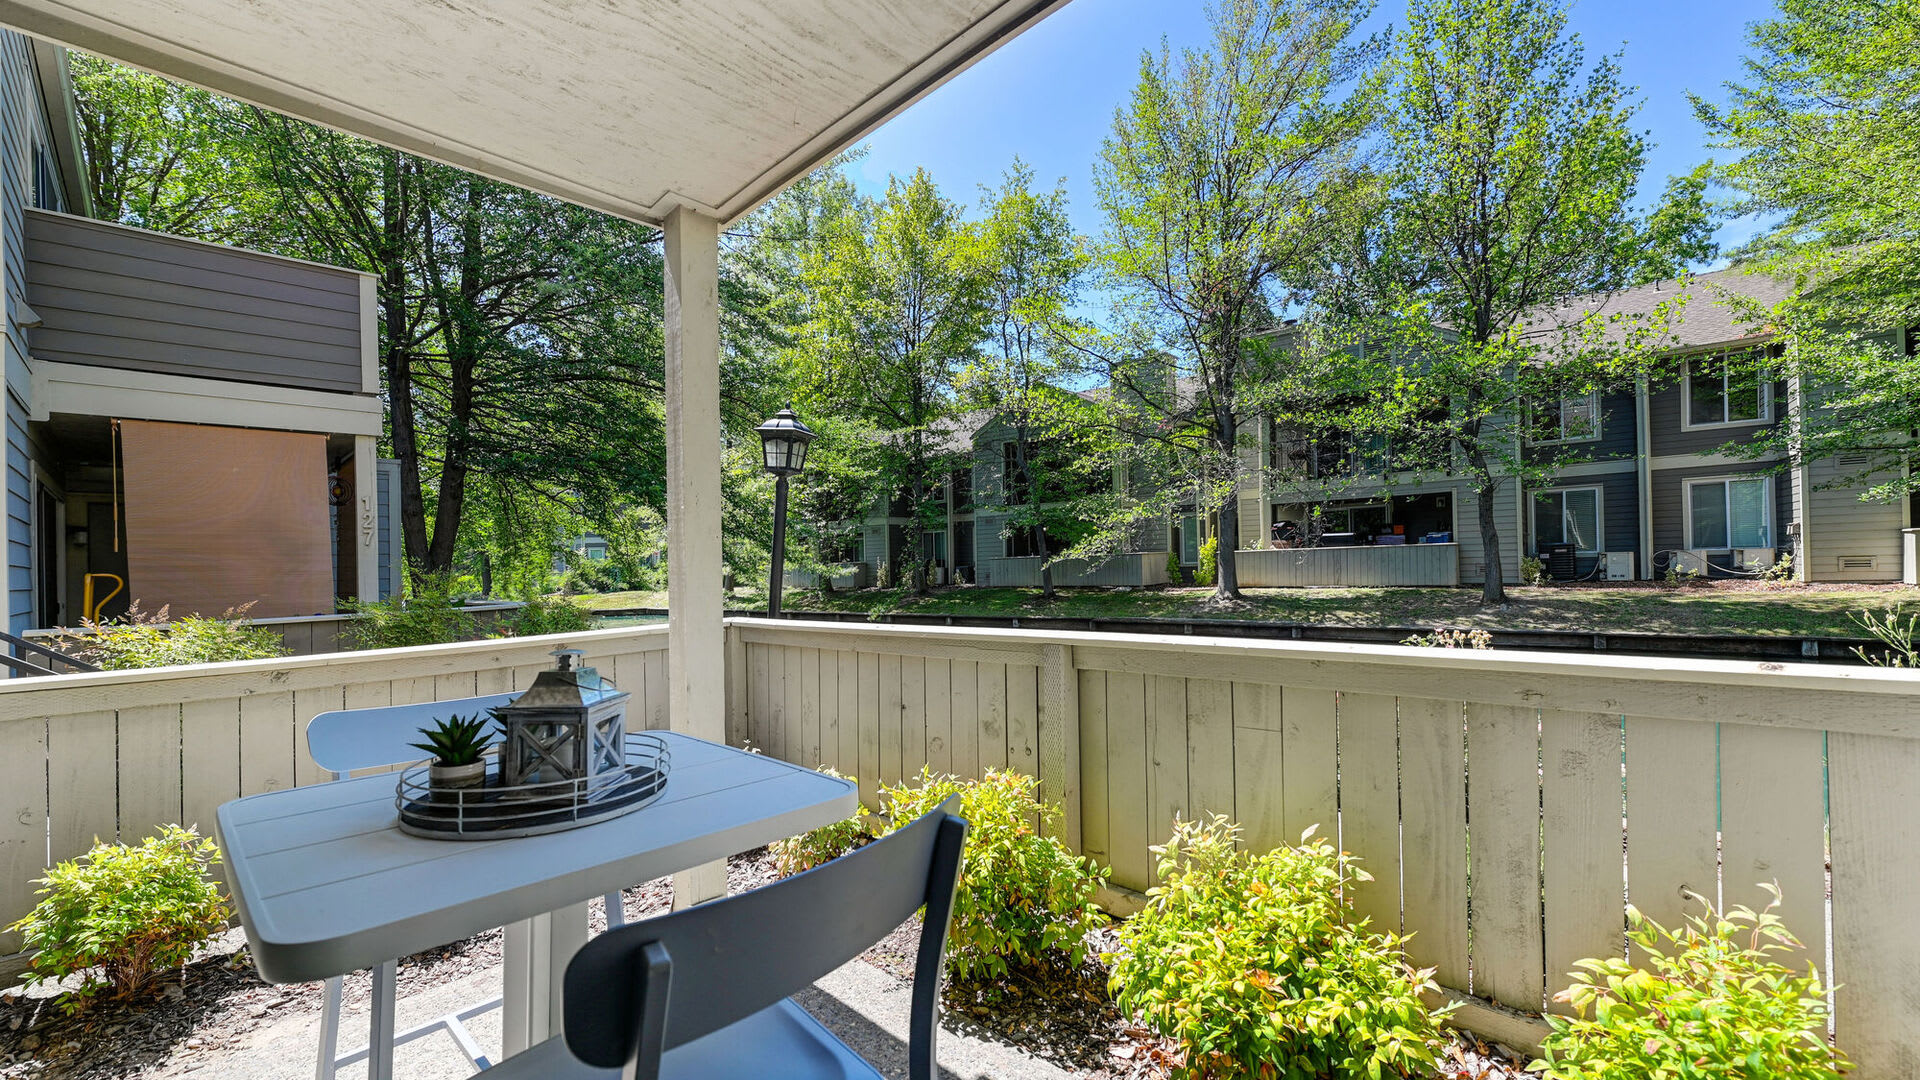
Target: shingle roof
(1706, 318)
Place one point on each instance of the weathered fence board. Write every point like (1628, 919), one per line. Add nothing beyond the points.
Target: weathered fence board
(1308, 786)
(1503, 751)
(1433, 842)
(1672, 766)
(1772, 824)
(1370, 803)
(1584, 864)
(1876, 875)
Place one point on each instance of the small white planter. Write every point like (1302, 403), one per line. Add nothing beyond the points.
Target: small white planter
(452, 778)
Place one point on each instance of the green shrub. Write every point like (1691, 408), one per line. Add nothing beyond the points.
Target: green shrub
(1173, 567)
(139, 640)
(594, 576)
(1024, 899)
(1209, 571)
(1532, 570)
(1255, 966)
(1711, 999)
(125, 915)
(545, 615)
(822, 845)
(432, 615)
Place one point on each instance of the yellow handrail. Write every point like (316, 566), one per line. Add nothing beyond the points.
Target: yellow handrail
(89, 610)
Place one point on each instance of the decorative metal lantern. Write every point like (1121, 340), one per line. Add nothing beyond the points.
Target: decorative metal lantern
(569, 725)
(783, 444)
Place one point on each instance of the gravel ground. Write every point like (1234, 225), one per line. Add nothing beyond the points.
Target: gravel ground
(1059, 1015)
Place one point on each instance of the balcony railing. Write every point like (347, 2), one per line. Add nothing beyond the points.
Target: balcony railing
(1560, 787)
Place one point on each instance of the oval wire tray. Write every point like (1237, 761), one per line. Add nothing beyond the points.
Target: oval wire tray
(493, 811)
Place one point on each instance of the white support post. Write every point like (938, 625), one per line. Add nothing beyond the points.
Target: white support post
(696, 638)
(366, 517)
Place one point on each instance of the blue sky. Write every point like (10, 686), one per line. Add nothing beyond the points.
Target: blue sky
(1049, 95)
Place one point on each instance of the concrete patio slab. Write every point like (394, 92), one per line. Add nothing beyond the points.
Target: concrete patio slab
(863, 1005)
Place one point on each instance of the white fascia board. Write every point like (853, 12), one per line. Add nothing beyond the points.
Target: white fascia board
(141, 395)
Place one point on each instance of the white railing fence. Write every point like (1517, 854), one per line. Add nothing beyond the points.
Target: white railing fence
(1507, 804)
(114, 754)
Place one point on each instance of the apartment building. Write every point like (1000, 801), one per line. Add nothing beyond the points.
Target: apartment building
(187, 425)
(1644, 480)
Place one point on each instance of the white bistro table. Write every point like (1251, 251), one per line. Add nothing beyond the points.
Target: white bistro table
(326, 883)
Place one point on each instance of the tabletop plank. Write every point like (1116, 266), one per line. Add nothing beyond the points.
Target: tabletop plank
(326, 883)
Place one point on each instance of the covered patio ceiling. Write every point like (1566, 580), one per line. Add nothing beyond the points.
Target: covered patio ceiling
(634, 107)
(681, 113)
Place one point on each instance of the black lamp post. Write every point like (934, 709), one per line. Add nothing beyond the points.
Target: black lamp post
(783, 446)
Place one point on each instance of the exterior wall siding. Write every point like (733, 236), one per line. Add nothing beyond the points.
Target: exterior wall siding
(1847, 539)
(1619, 515)
(22, 124)
(1616, 441)
(1670, 507)
(1669, 435)
(111, 296)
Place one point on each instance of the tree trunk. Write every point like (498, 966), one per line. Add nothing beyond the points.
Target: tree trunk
(1227, 536)
(398, 358)
(459, 325)
(1485, 489)
(1226, 539)
(919, 572)
(1033, 502)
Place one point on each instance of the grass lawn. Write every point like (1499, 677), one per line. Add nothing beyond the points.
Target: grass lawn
(1719, 608)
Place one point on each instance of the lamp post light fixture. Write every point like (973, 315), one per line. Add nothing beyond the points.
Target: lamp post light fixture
(783, 448)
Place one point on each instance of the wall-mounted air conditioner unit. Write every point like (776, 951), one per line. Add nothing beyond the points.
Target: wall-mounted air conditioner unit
(1690, 561)
(1754, 558)
(1619, 566)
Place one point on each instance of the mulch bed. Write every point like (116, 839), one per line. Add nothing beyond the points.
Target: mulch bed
(1058, 1013)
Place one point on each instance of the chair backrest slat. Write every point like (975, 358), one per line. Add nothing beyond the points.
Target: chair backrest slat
(734, 957)
(344, 740)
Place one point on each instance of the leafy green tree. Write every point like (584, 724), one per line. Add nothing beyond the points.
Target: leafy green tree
(1828, 151)
(1507, 179)
(1216, 185)
(898, 305)
(1033, 265)
(521, 342)
(155, 154)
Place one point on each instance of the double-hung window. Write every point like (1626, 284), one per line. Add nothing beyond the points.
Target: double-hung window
(1731, 512)
(1568, 418)
(1726, 390)
(1568, 516)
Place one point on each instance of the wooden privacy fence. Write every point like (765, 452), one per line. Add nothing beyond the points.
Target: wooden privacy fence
(1508, 805)
(115, 754)
(1386, 564)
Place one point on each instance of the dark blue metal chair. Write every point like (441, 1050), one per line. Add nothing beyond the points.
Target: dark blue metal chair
(704, 994)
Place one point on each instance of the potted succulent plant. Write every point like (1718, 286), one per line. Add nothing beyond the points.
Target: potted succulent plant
(458, 746)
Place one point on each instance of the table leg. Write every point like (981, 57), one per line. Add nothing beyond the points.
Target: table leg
(380, 1033)
(533, 974)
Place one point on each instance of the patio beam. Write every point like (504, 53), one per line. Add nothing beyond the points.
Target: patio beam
(696, 632)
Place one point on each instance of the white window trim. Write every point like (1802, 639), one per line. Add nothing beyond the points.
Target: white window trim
(1686, 507)
(1599, 514)
(1593, 401)
(1686, 402)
